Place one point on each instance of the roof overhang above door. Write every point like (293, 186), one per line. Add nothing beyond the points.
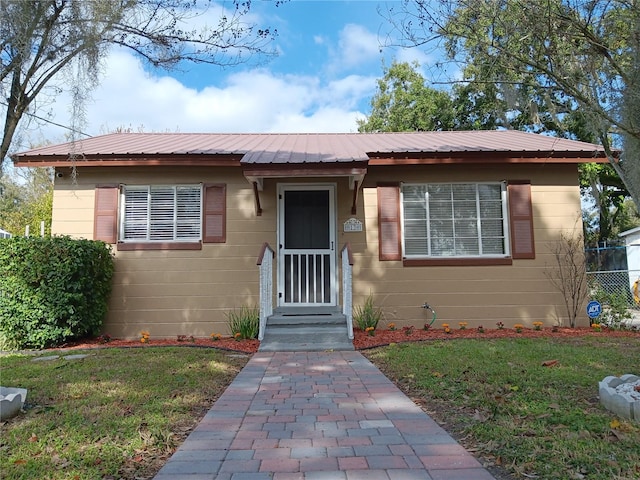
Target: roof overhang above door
(255, 175)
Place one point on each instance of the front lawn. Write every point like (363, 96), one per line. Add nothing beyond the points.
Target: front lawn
(121, 412)
(118, 413)
(534, 421)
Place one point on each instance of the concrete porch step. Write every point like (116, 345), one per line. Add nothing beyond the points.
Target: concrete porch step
(295, 345)
(284, 320)
(321, 310)
(306, 329)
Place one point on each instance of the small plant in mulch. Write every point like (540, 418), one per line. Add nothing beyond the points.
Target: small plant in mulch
(215, 337)
(518, 327)
(237, 336)
(537, 325)
(463, 325)
(480, 329)
(144, 336)
(500, 325)
(367, 315)
(371, 331)
(245, 322)
(445, 327)
(184, 338)
(555, 328)
(104, 338)
(426, 327)
(596, 327)
(408, 330)
(392, 326)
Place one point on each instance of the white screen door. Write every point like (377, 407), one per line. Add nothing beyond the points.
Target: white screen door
(306, 263)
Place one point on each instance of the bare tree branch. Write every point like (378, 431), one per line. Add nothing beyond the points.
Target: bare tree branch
(40, 39)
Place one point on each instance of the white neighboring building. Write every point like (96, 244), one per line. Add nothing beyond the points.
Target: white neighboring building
(4, 234)
(632, 242)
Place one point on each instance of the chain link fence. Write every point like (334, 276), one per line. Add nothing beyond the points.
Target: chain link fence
(617, 291)
(614, 280)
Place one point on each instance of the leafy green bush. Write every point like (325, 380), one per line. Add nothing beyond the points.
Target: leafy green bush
(245, 323)
(367, 315)
(52, 290)
(616, 306)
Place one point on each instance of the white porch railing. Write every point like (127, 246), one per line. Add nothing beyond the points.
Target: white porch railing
(307, 278)
(265, 264)
(347, 286)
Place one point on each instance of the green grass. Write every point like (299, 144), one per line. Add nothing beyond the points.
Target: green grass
(118, 413)
(534, 421)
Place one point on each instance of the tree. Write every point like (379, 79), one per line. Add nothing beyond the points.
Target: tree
(613, 213)
(42, 39)
(27, 201)
(568, 275)
(575, 55)
(403, 102)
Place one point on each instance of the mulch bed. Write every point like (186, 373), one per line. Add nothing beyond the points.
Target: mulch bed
(362, 340)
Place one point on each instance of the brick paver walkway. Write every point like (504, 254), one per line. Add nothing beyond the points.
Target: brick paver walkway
(318, 416)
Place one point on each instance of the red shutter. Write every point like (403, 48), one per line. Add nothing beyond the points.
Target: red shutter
(389, 244)
(105, 221)
(214, 229)
(521, 220)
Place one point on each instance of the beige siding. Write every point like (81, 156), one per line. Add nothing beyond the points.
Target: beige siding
(518, 293)
(180, 292)
(73, 209)
(175, 292)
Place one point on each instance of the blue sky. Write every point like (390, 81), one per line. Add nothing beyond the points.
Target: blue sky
(330, 56)
(321, 38)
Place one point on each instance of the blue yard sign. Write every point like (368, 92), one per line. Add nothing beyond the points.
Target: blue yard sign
(594, 309)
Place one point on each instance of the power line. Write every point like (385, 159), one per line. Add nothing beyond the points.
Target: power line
(33, 115)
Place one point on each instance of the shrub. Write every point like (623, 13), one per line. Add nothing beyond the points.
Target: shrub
(52, 290)
(615, 306)
(367, 315)
(245, 323)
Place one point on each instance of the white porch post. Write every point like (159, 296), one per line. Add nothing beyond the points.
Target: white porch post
(265, 264)
(347, 287)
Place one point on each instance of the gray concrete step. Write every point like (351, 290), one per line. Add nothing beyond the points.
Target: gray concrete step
(306, 310)
(278, 319)
(297, 346)
(309, 330)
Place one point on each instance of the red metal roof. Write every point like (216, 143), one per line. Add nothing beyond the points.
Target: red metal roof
(306, 148)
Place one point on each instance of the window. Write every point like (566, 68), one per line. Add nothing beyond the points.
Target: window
(156, 217)
(454, 220)
(161, 213)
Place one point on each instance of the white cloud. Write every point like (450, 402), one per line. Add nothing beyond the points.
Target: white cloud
(250, 101)
(356, 46)
(411, 55)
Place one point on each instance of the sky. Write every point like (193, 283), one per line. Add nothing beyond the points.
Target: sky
(331, 54)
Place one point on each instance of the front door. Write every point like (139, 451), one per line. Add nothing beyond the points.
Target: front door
(306, 241)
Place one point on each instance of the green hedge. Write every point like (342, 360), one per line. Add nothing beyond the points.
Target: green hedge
(52, 290)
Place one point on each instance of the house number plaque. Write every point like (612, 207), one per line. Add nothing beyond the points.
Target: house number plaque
(353, 225)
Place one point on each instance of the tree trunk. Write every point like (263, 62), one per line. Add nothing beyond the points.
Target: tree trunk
(15, 109)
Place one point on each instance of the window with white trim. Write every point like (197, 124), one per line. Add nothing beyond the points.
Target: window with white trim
(161, 213)
(454, 220)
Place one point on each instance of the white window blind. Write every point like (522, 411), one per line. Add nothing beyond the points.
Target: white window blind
(162, 213)
(454, 220)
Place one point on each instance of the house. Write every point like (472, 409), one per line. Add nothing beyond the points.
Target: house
(4, 234)
(632, 247)
(463, 221)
